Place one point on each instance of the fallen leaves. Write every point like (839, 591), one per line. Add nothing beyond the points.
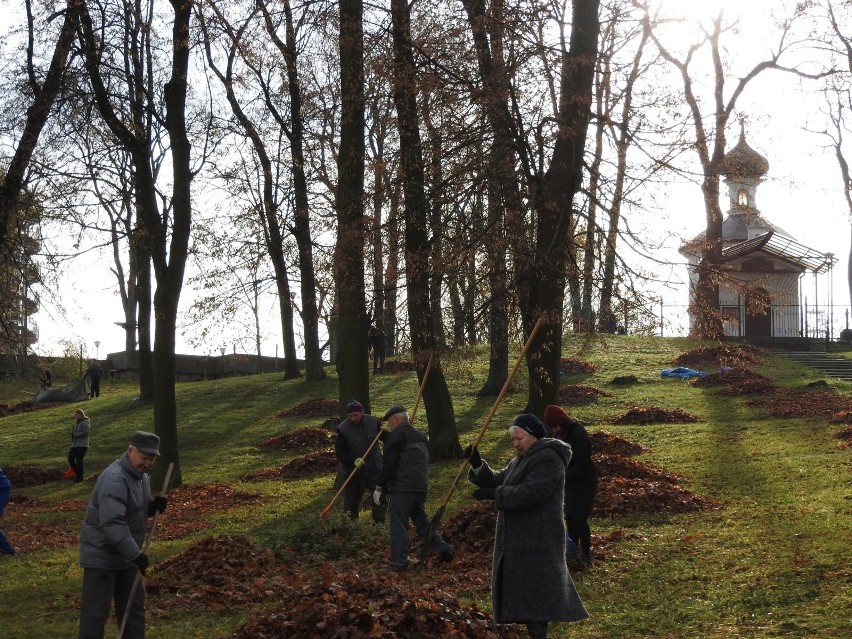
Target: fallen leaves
(655, 415)
(797, 403)
(723, 355)
(24, 476)
(312, 408)
(26, 407)
(737, 381)
(304, 466)
(575, 394)
(304, 438)
(570, 366)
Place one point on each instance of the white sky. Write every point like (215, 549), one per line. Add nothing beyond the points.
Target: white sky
(802, 194)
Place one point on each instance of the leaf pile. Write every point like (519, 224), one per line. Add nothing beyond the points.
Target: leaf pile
(29, 534)
(842, 417)
(188, 505)
(25, 476)
(312, 438)
(571, 366)
(312, 408)
(574, 394)
(795, 403)
(345, 605)
(724, 355)
(617, 495)
(305, 466)
(737, 381)
(606, 443)
(38, 505)
(845, 434)
(399, 366)
(655, 415)
(26, 407)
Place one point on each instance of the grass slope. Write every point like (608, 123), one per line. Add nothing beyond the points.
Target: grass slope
(773, 560)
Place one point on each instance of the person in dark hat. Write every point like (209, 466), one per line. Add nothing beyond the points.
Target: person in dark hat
(112, 537)
(405, 477)
(581, 482)
(355, 434)
(530, 583)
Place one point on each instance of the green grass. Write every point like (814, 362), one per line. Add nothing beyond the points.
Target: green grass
(773, 560)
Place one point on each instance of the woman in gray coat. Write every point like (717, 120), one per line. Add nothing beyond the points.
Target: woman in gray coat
(79, 443)
(530, 583)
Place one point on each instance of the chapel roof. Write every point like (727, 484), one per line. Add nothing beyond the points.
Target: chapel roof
(743, 162)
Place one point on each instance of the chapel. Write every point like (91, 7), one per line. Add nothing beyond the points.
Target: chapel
(761, 289)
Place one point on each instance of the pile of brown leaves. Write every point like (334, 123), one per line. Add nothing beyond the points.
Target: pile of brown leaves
(312, 438)
(606, 443)
(29, 534)
(571, 366)
(793, 403)
(737, 381)
(617, 495)
(305, 466)
(188, 505)
(842, 417)
(724, 355)
(393, 366)
(655, 415)
(26, 407)
(845, 435)
(25, 476)
(312, 408)
(574, 394)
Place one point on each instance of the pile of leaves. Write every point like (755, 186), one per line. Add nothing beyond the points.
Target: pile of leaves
(573, 394)
(344, 604)
(394, 366)
(188, 505)
(796, 403)
(723, 355)
(845, 435)
(312, 408)
(29, 534)
(215, 573)
(606, 443)
(617, 495)
(842, 417)
(655, 415)
(25, 476)
(737, 381)
(312, 438)
(570, 366)
(26, 407)
(305, 466)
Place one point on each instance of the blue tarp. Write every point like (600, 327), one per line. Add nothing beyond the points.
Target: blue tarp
(682, 372)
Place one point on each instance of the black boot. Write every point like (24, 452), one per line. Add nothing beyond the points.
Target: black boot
(537, 629)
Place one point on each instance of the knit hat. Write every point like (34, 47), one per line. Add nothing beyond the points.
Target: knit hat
(554, 417)
(145, 442)
(531, 424)
(393, 410)
(354, 406)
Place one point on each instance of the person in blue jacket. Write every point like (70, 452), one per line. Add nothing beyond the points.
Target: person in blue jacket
(5, 496)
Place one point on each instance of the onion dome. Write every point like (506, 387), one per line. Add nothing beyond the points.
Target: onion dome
(743, 162)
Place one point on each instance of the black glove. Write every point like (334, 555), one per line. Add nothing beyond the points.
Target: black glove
(472, 453)
(157, 505)
(141, 561)
(484, 493)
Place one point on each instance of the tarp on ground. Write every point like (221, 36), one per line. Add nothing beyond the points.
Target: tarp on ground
(75, 392)
(682, 372)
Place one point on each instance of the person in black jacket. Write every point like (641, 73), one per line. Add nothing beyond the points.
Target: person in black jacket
(405, 475)
(581, 481)
(355, 434)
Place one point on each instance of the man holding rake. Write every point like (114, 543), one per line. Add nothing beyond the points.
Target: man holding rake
(112, 540)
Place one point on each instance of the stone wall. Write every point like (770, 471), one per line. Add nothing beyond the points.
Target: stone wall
(189, 368)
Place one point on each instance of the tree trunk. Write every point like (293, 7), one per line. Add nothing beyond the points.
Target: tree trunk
(443, 436)
(349, 202)
(545, 272)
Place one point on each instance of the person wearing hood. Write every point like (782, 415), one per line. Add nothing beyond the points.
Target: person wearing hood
(355, 435)
(79, 443)
(581, 481)
(530, 583)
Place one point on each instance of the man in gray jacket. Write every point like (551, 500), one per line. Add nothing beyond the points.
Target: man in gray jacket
(112, 537)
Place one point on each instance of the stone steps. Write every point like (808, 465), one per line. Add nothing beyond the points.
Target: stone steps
(825, 363)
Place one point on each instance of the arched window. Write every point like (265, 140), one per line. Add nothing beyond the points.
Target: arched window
(742, 197)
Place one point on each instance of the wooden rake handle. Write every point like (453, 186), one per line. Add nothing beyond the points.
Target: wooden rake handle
(493, 410)
(145, 546)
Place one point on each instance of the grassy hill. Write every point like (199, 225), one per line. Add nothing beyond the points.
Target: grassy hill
(768, 554)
